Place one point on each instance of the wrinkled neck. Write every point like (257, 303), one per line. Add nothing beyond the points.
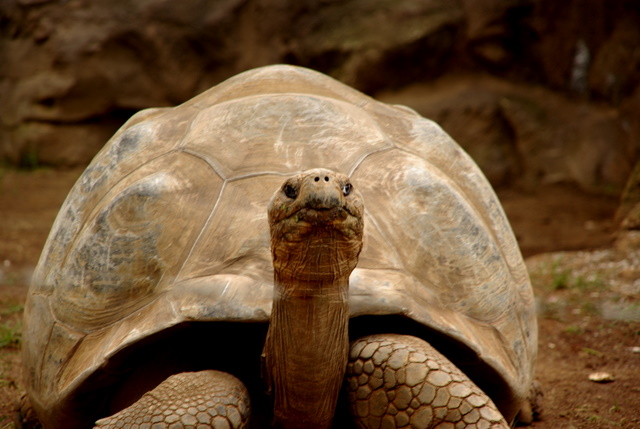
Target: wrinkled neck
(307, 343)
(322, 259)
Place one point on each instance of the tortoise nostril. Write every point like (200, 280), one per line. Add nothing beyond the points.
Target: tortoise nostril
(316, 179)
(326, 178)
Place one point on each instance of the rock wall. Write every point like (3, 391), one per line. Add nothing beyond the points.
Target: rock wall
(71, 71)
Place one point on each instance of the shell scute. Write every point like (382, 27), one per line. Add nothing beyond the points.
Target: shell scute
(137, 237)
(282, 133)
(229, 241)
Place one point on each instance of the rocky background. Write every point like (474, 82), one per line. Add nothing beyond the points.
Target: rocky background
(538, 91)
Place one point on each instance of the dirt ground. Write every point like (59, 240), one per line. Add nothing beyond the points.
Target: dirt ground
(588, 319)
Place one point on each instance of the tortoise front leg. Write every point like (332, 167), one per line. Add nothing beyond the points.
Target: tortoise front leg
(398, 381)
(209, 399)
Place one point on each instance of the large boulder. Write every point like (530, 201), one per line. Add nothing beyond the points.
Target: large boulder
(73, 71)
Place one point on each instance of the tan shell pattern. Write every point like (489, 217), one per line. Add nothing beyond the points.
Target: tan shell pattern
(168, 224)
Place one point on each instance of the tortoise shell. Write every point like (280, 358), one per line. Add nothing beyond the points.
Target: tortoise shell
(166, 233)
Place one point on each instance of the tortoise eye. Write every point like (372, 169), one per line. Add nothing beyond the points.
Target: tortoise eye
(346, 189)
(290, 191)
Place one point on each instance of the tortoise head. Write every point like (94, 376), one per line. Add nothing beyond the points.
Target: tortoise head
(316, 222)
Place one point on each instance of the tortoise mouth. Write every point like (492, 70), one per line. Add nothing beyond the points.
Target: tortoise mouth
(321, 215)
(308, 219)
(318, 223)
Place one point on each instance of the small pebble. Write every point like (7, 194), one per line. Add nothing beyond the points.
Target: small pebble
(635, 349)
(601, 377)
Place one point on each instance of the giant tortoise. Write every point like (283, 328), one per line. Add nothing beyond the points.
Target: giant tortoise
(284, 251)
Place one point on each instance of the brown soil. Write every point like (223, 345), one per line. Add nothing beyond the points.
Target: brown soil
(575, 339)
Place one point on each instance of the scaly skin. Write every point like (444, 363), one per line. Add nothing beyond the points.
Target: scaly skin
(398, 381)
(189, 400)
